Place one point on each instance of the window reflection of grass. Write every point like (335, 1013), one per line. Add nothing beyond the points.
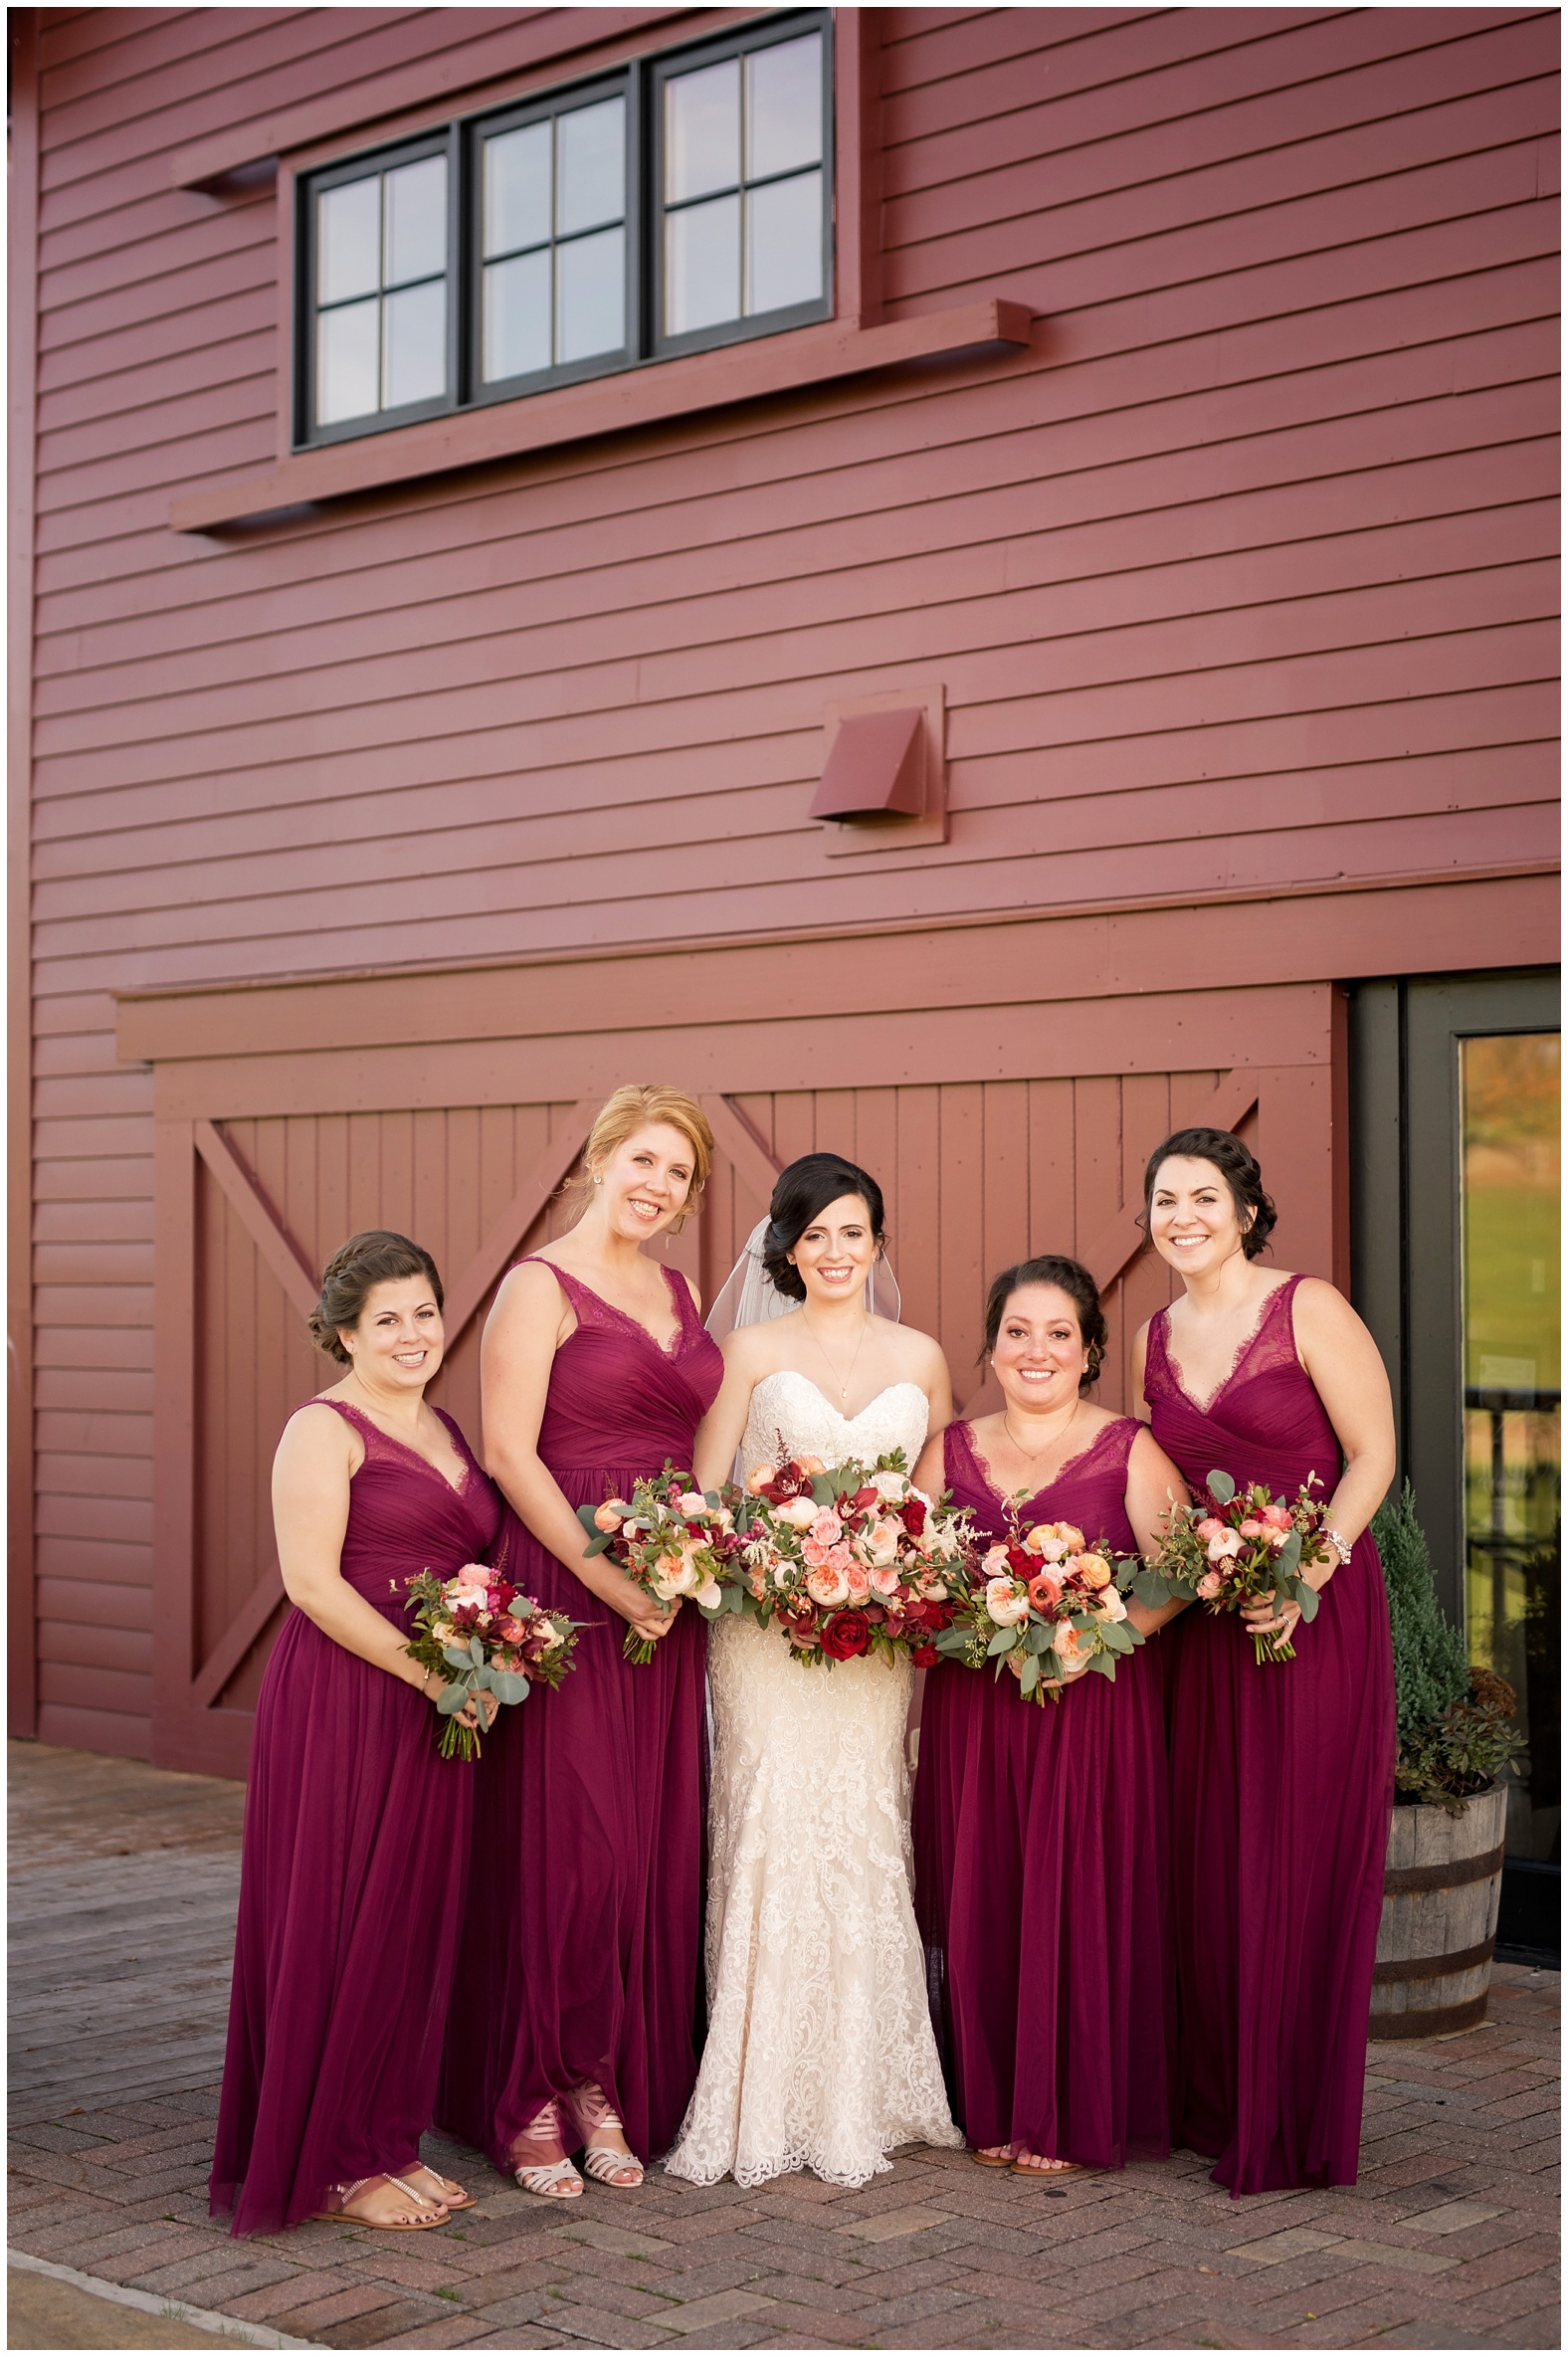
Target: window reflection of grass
(1512, 1273)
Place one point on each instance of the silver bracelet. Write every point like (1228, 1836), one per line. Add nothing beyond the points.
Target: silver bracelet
(1337, 1540)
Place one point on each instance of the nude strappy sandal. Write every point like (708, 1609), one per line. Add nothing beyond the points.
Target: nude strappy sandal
(621, 2171)
(438, 2212)
(552, 2178)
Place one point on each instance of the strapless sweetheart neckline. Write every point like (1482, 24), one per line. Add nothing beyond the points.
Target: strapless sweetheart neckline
(792, 1374)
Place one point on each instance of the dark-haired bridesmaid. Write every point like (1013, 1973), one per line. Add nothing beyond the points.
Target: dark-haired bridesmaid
(1282, 1775)
(1041, 1831)
(356, 1830)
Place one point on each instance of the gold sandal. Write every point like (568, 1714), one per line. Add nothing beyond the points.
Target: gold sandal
(591, 2110)
(440, 2211)
(551, 2177)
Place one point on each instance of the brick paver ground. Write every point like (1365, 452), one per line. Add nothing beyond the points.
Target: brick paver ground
(1449, 2241)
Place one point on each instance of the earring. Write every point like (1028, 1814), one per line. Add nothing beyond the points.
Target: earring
(598, 1181)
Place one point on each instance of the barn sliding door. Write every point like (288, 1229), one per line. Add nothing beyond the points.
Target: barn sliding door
(249, 1211)
(976, 1174)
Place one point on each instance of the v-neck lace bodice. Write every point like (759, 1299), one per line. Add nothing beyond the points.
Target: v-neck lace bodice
(591, 1308)
(1089, 1490)
(1268, 1341)
(620, 1401)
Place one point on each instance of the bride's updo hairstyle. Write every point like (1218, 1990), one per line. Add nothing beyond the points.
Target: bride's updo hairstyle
(638, 1105)
(1069, 1278)
(1238, 1167)
(802, 1194)
(377, 1255)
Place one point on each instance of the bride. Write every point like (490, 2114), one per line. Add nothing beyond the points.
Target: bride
(820, 2050)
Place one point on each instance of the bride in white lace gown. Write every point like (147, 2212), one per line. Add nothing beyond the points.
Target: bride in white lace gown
(820, 2051)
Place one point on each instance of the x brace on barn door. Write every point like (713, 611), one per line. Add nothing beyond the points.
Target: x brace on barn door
(290, 1264)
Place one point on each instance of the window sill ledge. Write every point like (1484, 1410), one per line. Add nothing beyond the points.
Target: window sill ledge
(607, 405)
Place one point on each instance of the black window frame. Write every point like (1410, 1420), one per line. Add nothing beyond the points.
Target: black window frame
(642, 80)
(772, 33)
(309, 435)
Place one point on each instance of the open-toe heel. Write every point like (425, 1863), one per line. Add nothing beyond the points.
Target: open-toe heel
(549, 2172)
(591, 2109)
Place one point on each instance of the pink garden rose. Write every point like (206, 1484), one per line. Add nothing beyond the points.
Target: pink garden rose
(1006, 1603)
(827, 1586)
(1224, 1548)
(1208, 1585)
(1210, 1527)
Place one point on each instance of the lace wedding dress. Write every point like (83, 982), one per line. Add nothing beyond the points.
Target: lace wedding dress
(820, 2051)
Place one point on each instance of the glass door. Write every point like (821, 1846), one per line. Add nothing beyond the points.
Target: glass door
(1509, 1108)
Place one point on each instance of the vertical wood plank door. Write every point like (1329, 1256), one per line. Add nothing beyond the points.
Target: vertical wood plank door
(254, 1216)
(976, 1175)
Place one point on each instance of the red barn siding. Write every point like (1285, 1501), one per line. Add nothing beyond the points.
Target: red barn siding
(1241, 577)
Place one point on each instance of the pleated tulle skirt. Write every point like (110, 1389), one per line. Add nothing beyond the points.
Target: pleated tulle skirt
(355, 1848)
(581, 1938)
(1281, 1784)
(1042, 1893)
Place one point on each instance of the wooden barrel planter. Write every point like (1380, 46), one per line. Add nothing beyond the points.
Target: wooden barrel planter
(1441, 1890)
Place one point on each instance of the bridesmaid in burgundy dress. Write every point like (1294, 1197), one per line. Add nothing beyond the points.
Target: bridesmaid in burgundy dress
(1039, 1832)
(1282, 1775)
(583, 1931)
(356, 1830)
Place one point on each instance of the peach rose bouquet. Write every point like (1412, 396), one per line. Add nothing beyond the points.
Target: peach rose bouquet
(488, 1638)
(1240, 1547)
(849, 1560)
(1042, 1604)
(671, 1540)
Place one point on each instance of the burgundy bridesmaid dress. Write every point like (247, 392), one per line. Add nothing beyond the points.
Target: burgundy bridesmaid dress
(1041, 1866)
(356, 1842)
(582, 1936)
(1282, 1785)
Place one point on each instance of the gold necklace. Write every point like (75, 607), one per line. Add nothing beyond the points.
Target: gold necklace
(843, 1387)
(1032, 1456)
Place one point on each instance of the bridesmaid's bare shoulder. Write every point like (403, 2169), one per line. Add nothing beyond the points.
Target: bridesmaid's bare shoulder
(316, 1438)
(1323, 1314)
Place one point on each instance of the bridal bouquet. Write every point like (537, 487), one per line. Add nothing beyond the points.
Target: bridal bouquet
(850, 1559)
(1240, 1547)
(1042, 1603)
(488, 1638)
(670, 1540)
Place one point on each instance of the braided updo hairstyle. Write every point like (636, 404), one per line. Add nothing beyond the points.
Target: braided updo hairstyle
(802, 1194)
(377, 1255)
(1236, 1165)
(1069, 1278)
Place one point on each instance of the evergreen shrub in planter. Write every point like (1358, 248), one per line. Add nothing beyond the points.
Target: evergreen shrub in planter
(1456, 1742)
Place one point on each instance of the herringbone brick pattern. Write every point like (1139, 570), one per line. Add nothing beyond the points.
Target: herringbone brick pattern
(1449, 2241)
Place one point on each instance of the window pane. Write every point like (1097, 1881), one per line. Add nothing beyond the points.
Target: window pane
(590, 165)
(1510, 1091)
(784, 106)
(416, 221)
(348, 241)
(518, 189)
(590, 293)
(703, 133)
(784, 243)
(517, 326)
(346, 355)
(416, 345)
(702, 266)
